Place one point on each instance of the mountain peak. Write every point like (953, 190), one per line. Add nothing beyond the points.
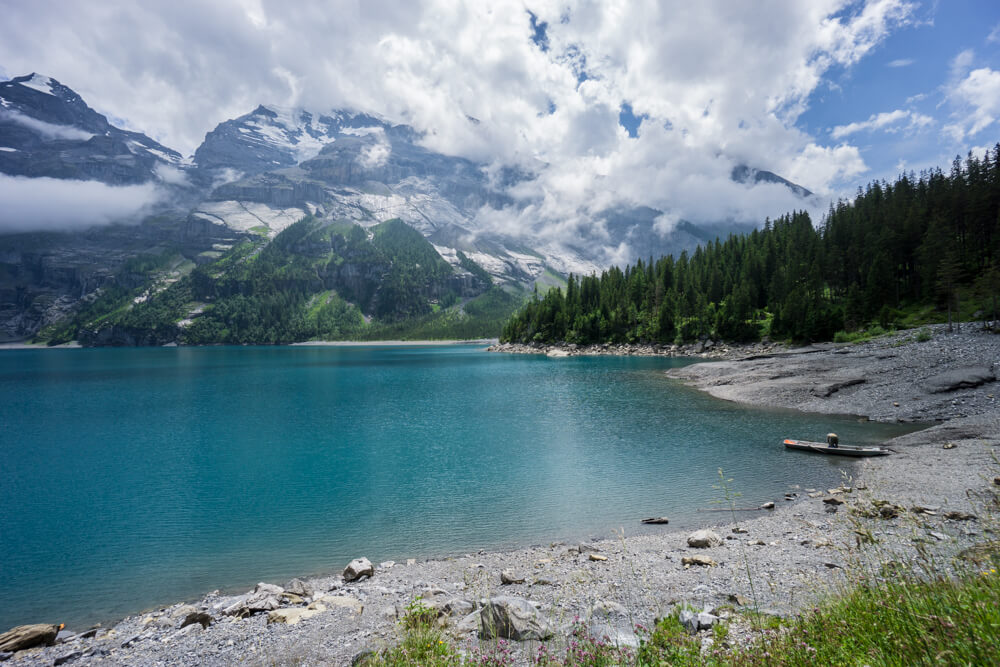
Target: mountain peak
(47, 130)
(751, 176)
(39, 82)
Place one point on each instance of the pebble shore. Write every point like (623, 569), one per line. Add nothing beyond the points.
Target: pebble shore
(795, 553)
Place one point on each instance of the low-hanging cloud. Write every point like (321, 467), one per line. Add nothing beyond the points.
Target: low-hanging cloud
(171, 175)
(51, 204)
(48, 131)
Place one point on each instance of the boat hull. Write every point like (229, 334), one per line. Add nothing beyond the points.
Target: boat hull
(842, 450)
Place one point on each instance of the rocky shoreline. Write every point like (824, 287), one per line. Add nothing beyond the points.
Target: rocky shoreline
(794, 552)
(706, 349)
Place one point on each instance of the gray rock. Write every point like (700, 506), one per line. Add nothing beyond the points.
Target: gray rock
(448, 606)
(298, 587)
(703, 539)
(694, 622)
(471, 623)
(68, 657)
(959, 378)
(358, 568)
(689, 620)
(269, 589)
(183, 611)
(5, 655)
(513, 618)
(507, 577)
(252, 603)
(621, 637)
(459, 607)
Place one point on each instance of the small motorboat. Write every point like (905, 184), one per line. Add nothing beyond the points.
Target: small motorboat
(836, 449)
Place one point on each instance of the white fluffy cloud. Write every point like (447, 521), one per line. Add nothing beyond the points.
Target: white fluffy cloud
(978, 99)
(717, 83)
(889, 121)
(55, 204)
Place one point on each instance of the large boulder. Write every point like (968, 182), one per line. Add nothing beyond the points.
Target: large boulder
(702, 539)
(959, 378)
(357, 568)
(28, 636)
(513, 618)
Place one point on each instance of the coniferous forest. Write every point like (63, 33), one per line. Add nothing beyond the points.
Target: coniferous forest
(922, 249)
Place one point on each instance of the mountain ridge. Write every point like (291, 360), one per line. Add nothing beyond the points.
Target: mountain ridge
(253, 177)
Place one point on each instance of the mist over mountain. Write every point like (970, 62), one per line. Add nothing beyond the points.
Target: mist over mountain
(83, 198)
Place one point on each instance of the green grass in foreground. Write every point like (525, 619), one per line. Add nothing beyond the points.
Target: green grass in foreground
(900, 622)
(904, 621)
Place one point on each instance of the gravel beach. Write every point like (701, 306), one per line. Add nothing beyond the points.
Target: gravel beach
(778, 560)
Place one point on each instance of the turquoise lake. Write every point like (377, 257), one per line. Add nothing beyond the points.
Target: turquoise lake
(133, 478)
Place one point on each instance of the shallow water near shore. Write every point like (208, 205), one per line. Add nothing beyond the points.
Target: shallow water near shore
(133, 478)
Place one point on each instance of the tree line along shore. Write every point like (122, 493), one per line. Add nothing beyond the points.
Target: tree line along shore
(923, 249)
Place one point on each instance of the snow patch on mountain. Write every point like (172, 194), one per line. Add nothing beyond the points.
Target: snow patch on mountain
(245, 216)
(294, 129)
(42, 84)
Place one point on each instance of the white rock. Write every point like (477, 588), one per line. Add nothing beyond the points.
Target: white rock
(702, 539)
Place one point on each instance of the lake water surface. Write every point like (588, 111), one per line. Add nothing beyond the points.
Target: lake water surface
(132, 478)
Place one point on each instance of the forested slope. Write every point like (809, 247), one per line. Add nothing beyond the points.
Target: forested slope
(919, 249)
(315, 280)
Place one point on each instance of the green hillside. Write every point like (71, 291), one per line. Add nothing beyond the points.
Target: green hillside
(314, 280)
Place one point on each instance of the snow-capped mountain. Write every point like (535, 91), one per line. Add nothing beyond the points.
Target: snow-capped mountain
(258, 174)
(272, 137)
(273, 165)
(47, 130)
